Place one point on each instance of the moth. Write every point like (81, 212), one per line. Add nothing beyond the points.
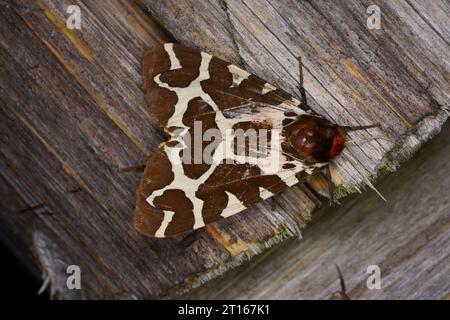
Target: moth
(185, 86)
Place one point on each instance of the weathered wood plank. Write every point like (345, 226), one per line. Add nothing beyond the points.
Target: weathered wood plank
(37, 177)
(408, 238)
(73, 113)
(113, 79)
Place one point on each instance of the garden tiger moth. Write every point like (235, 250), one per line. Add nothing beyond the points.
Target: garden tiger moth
(184, 87)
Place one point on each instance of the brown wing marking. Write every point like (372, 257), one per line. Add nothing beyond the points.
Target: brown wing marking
(172, 211)
(178, 72)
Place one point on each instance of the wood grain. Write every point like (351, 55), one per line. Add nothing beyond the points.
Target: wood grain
(73, 113)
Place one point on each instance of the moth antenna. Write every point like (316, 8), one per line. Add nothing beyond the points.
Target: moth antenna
(371, 186)
(355, 128)
(355, 141)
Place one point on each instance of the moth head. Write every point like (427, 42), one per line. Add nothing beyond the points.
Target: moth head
(314, 139)
(317, 140)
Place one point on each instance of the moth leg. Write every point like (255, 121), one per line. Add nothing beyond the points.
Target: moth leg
(300, 84)
(330, 185)
(140, 168)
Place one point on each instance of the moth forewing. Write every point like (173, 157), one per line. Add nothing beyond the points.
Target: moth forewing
(185, 85)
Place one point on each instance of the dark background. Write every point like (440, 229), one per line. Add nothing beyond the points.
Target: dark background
(16, 281)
